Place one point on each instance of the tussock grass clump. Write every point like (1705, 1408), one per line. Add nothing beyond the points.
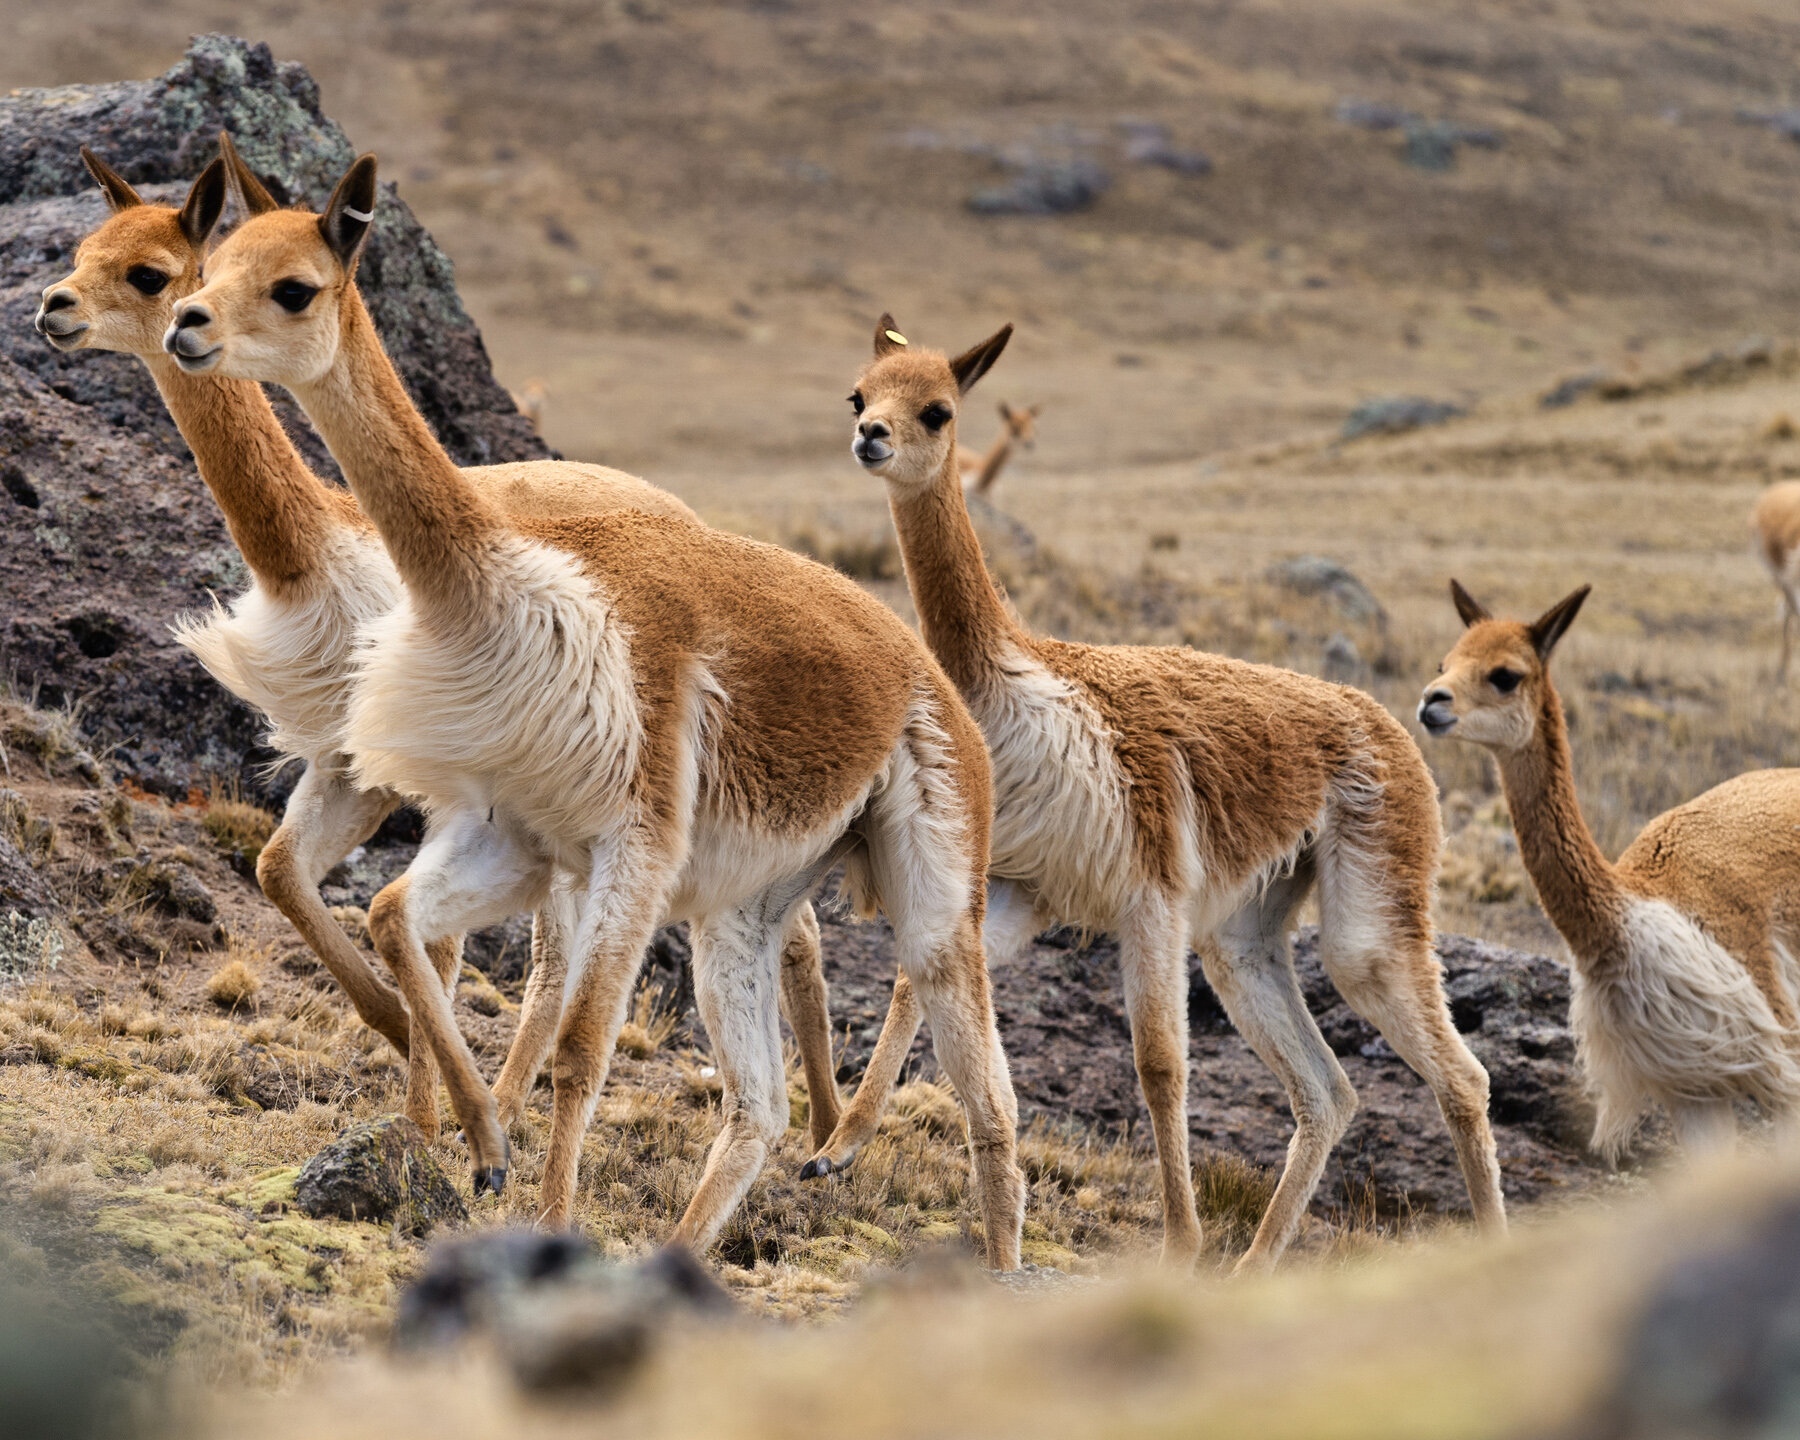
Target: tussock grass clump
(237, 827)
(233, 984)
(653, 1021)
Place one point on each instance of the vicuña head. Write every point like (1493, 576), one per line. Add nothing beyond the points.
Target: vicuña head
(276, 287)
(131, 270)
(1493, 685)
(906, 402)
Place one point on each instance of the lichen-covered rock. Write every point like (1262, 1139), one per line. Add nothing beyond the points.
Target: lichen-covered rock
(22, 889)
(106, 533)
(169, 886)
(380, 1170)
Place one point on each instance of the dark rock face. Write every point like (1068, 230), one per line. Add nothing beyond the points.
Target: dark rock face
(106, 533)
(1068, 1041)
(380, 1170)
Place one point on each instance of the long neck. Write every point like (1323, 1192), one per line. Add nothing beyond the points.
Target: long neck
(436, 526)
(992, 462)
(279, 513)
(961, 614)
(1579, 889)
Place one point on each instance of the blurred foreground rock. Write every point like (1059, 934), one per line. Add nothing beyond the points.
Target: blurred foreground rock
(106, 533)
(380, 1170)
(561, 1317)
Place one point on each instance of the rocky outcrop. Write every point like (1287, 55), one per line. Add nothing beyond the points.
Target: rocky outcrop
(106, 533)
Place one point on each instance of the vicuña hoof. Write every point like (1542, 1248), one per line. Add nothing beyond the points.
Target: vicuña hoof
(821, 1166)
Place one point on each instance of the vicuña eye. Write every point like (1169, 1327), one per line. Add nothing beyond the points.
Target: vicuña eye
(856, 401)
(293, 295)
(144, 278)
(936, 417)
(1504, 680)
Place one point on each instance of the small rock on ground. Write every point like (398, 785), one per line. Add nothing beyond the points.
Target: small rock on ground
(380, 1170)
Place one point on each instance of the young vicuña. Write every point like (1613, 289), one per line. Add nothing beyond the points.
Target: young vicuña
(1164, 795)
(1685, 949)
(1017, 428)
(1775, 532)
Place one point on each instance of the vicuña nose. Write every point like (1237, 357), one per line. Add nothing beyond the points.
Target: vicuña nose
(1437, 695)
(875, 429)
(192, 315)
(60, 300)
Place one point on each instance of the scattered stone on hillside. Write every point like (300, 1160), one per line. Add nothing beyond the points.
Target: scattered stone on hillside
(1044, 187)
(1316, 575)
(1342, 662)
(28, 946)
(380, 1170)
(1716, 1350)
(1368, 115)
(563, 1318)
(1782, 122)
(1398, 414)
(169, 885)
(106, 533)
(1148, 143)
(1567, 391)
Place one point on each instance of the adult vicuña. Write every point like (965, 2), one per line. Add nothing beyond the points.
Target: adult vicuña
(1017, 428)
(699, 725)
(1684, 950)
(318, 571)
(1165, 795)
(1775, 532)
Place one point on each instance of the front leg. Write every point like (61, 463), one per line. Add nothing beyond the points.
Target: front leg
(469, 873)
(552, 932)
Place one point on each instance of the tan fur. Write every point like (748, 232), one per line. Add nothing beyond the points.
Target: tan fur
(1775, 533)
(1166, 795)
(1018, 428)
(697, 724)
(319, 572)
(1680, 994)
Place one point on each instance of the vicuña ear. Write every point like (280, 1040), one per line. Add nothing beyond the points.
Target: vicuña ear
(1467, 606)
(119, 194)
(351, 213)
(252, 196)
(971, 365)
(204, 204)
(888, 338)
(1549, 627)
(1006, 412)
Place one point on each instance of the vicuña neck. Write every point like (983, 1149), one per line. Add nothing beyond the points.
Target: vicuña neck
(279, 513)
(437, 527)
(992, 462)
(961, 614)
(1579, 889)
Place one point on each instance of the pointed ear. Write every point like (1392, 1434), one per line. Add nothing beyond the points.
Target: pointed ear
(888, 338)
(971, 365)
(1006, 412)
(1467, 605)
(119, 194)
(204, 204)
(350, 215)
(1549, 627)
(1035, 411)
(252, 196)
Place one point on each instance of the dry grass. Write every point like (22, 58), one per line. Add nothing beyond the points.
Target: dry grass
(233, 985)
(236, 826)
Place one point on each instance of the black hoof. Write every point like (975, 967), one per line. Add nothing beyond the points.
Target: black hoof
(820, 1167)
(462, 1139)
(493, 1178)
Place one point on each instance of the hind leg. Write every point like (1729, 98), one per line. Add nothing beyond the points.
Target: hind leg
(1153, 959)
(1252, 972)
(857, 1124)
(735, 986)
(805, 1002)
(445, 954)
(552, 932)
(1382, 964)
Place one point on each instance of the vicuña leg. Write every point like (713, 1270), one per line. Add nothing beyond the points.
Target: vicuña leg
(326, 818)
(552, 932)
(805, 1001)
(1153, 960)
(857, 1124)
(445, 955)
(470, 872)
(626, 896)
(1706, 1130)
(1378, 954)
(1790, 613)
(735, 981)
(1252, 972)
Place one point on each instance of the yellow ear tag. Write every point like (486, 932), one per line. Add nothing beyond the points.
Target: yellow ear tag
(895, 336)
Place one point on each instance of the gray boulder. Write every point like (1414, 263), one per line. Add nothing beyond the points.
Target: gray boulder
(380, 1170)
(1397, 415)
(1316, 575)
